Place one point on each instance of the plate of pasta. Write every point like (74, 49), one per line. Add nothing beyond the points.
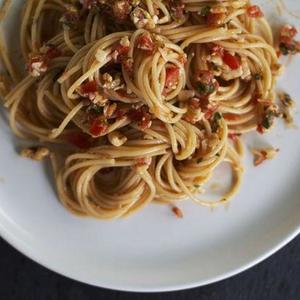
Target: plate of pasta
(149, 145)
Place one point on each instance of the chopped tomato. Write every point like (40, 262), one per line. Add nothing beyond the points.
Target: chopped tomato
(233, 136)
(264, 101)
(217, 49)
(177, 9)
(278, 53)
(119, 114)
(230, 117)
(141, 116)
(78, 139)
(119, 52)
(37, 65)
(128, 65)
(145, 161)
(259, 158)
(98, 127)
(288, 31)
(145, 43)
(137, 115)
(53, 52)
(215, 19)
(121, 9)
(255, 97)
(177, 211)
(254, 11)
(194, 103)
(287, 43)
(123, 93)
(209, 113)
(179, 12)
(182, 59)
(232, 61)
(172, 77)
(71, 16)
(260, 129)
(89, 87)
(204, 76)
(162, 125)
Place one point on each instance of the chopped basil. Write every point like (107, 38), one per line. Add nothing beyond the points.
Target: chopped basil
(257, 77)
(266, 123)
(205, 11)
(201, 88)
(216, 68)
(95, 109)
(206, 89)
(287, 100)
(199, 160)
(196, 186)
(218, 155)
(283, 49)
(217, 116)
(215, 123)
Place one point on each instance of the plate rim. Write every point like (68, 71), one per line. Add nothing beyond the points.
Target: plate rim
(14, 238)
(15, 242)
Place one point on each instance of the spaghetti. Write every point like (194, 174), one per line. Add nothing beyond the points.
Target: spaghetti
(148, 97)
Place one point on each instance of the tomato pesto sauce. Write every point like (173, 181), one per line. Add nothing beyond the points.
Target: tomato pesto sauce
(146, 98)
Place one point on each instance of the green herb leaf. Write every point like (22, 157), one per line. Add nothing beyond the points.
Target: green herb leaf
(266, 123)
(205, 11)
(287, 100)
(206, 89)
(201, 88)
(257, 77)
(216, 68)
(283, 49)
(215, 122)
(199, 160)
(217, 116)
(95, 109)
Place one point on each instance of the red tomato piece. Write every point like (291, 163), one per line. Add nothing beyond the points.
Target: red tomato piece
(98, 127)
(230, 117)
(288, 31)
(260, 129)
(79, 140)
(89, 87)
(217, 49)
(215, 19)
(209, 113)
(254, 11)
(232, 61)
(145, 43)
(172, 77)
(53, 52)
(233, 136)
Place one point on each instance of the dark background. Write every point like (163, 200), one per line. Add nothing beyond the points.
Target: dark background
(276, 278)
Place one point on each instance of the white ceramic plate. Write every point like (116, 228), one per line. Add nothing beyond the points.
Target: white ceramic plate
(155, 251)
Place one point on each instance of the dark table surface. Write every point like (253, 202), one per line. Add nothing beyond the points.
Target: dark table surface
(276, 278)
